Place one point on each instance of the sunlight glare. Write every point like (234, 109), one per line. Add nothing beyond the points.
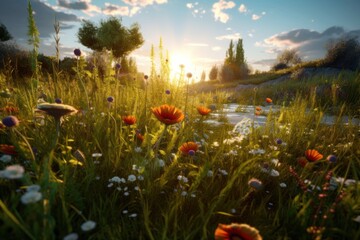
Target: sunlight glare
(180, 59)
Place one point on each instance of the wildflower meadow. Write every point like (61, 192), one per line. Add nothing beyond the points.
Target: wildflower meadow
(153, 156)
(149, 160)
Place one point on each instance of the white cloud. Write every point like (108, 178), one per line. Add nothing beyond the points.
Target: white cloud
(218, 8)
(190, 5)
(143, 3)
(197, 44)
(242, 8)
(250, 35)
(216, 48)
(255, 17)
(196, 10)
(263, 13)
(83, 5)
(111, 9)
(310, 44)
(233, 36)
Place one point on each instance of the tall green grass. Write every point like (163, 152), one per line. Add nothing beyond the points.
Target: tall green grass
(175, 196)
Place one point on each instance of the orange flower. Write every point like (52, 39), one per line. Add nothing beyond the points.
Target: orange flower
(302, 161)
(258, 108)
(7, 149)
(268, 100)
(312, 155)
(236, 231)
(203, 110)
(139, 137)
(10, 110)
(189, 148)
(168, 114)
(129, 120)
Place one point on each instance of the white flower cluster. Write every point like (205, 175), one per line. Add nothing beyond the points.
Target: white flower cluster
(5, 158)
(245, 126)
(223, 172)
(118, 181)
(32, 194)
(12, 172)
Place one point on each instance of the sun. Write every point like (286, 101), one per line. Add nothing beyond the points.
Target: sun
(180, 61)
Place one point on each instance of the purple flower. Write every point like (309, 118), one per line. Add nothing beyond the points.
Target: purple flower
(77, 52)
(279, 141)
(110, 99)
(58, 100)
(331, 158)
(10, 121)
(117, 65)
(191, 152)
(167, 91)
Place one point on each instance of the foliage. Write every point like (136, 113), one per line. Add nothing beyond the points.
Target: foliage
(34, 39)
(111, 35)
(226, 73)
(279, 66)
(344, 54)
(213, 74)
(203, 76)
(288, 57)
(4, 34)
(235, 61)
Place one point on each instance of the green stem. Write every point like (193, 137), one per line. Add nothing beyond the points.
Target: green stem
(26, 142)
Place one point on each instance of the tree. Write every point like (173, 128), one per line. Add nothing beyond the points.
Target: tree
(235, 61)
(203, 76)
(230, 58)
(4, 34)
(226, 73)
(111, 35)
(289, 57)
(213, 73)
(343, 53)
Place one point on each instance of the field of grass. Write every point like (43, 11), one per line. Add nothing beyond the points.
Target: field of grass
(120, 168)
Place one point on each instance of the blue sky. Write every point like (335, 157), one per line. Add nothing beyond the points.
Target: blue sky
(197, 32)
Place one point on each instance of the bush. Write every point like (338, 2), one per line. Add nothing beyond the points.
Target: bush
(227, 73)
(344, 54)
(279, 66)
(17, 59)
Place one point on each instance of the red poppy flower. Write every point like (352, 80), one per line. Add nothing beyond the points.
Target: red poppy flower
(7, 149)
(258, 108)
(302, 161)
(257, 113)
(268, 100)
(203, 110)
(236, 231)
(139, 137)
(168, 114)
(189, 148)
(129, 120)
(312, 155)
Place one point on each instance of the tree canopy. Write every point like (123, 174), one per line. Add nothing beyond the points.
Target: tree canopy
(111, 35)
(4, 34)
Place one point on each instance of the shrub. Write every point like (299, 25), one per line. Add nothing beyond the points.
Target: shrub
(279, 66)
(344, 54)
